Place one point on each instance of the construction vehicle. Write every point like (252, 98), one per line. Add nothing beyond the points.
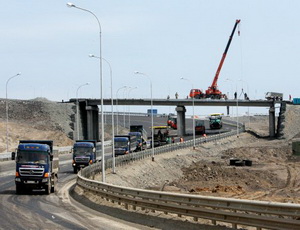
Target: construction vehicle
(213, 92)
(199, 127)
(215, 121)
(85, 152)
(172, 121)
(36, 166)
(274, 96)
(161, 135)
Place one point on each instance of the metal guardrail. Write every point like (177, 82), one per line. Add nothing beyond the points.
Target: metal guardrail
(258, 214)
(243, 212)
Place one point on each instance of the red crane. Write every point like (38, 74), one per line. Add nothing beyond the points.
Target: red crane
(213, 91)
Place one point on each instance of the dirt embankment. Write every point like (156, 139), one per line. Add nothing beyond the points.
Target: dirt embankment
(36, 119)
(273, 175)
(40, 119)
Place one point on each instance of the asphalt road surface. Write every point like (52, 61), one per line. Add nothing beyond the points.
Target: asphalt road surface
(158, 120)
(35, 210)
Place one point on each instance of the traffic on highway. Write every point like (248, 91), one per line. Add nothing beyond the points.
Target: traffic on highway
(32, 208)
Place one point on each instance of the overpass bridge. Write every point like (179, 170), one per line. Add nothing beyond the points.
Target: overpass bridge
(89, 111)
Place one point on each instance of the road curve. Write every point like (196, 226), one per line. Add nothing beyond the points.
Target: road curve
(55, 211)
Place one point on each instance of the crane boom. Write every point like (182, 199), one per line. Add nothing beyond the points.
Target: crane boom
(213, 89)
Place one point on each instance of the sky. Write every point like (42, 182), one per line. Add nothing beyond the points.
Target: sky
(50, 43)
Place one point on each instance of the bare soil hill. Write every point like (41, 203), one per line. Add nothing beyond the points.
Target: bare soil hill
(36, 119)
(39, 119)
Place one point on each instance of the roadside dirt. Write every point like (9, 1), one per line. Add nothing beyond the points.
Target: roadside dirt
(273, 175)
(206, 170)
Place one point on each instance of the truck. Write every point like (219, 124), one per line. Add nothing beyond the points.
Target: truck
(139, 128)
(142, 141)
(36, 166)
(161, 135)
(172, 121)
(274, 96)
(199, 127)
(85, 152)
(215, 122)
(124, 144)
(213, 92)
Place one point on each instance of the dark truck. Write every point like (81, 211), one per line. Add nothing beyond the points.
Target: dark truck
(215, 122)
(161, 135)
(125, 144)
(142, 138)
(199, 127)
(85, 152)
(36, 166)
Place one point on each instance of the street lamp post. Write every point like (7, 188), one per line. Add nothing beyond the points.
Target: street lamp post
(77, 112)
(194, 131)
(117, 108)
(112, 112)
(152, 129)
(101, 88)
(6, 105)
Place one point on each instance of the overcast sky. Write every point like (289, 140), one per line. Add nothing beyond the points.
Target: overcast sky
(50, 44)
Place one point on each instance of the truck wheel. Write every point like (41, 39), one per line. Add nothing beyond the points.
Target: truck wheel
(53, 185)
(75, 170)
(48, 188)
(18, 189)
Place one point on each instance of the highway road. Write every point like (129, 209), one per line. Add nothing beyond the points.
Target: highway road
(35, 210)
(146, 122)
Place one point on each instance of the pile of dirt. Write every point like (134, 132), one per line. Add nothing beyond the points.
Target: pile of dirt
(36, 119)
(40, 119)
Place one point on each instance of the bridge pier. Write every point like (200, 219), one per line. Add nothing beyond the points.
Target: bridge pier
(92, 122)
(180, 120)
(272, 121)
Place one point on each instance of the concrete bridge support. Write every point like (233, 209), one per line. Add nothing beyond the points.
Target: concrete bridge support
(272, 121)
(88, 122)
(180, 120)
(92, 132)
